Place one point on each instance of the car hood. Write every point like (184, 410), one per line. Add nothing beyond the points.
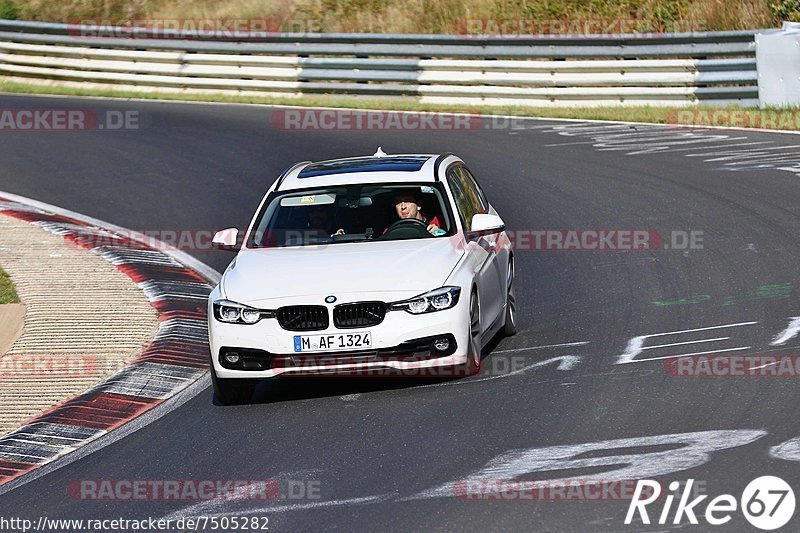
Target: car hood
(415, 265)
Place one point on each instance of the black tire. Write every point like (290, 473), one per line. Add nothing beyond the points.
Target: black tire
(473, 364)
(510, 327)
(232, 391)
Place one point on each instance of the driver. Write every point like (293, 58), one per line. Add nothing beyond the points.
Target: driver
(408, 204)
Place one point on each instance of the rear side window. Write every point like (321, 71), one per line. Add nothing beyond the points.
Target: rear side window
(472, 183)
(465, 197)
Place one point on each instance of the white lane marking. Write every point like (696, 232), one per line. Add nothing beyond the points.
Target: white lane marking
(686, 355)
(728, 145)
(565, 362)
(575, 130)
(665, 147)
(580, 343)
(790, 332)
(313, 505)
(622, 137)
(695, 451)
(657, 145)
(781, 152)
(715, 145)
(240, 493)
(718, 153)
(636, 344)
(568, 144)
(755, 156)
(218, 507)
(723, 155)
(684, 343)
(721, 326)
(756, 164)
(788, 451)
(624, 140)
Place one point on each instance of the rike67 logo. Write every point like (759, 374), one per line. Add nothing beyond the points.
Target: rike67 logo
(767, 503)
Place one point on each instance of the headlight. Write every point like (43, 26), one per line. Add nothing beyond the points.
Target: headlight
(233, 313)
(435, 300)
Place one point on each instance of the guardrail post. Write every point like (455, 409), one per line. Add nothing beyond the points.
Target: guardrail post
(778, 64)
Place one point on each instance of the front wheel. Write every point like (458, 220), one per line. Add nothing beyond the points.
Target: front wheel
(473, 363)
(232, 391)
(510, 327)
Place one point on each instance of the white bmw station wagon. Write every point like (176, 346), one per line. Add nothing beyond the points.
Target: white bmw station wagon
(381, 265)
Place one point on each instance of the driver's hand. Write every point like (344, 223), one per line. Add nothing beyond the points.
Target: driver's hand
(432, 228)
(339, 231)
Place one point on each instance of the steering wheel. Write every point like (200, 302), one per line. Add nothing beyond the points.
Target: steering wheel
(407, 228)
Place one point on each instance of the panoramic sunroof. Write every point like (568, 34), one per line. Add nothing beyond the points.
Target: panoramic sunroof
(370, 164)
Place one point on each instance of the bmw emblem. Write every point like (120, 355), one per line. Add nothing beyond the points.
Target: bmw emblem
(330, 299)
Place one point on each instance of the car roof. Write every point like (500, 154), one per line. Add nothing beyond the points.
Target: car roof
(411, 168)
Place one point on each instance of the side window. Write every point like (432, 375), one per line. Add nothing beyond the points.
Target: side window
(469, 195)
(472, 183)
(463, 205)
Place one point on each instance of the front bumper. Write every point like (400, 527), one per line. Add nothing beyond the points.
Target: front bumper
(401, 345)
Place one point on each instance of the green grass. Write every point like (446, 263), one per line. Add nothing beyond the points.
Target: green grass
(701, 115)
(422, 16)
(8, 295)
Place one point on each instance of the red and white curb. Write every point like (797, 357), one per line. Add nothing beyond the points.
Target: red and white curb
(176, 285)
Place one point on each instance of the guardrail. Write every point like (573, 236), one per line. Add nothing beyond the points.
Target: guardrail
(660, 69)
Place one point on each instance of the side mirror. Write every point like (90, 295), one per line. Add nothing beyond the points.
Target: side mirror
(487, 224)
(226, 240)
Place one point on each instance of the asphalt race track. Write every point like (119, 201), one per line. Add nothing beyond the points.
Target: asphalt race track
(390, 455)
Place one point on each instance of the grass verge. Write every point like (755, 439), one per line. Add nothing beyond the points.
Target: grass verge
(780, 119)
(8, 295)
(430, 16)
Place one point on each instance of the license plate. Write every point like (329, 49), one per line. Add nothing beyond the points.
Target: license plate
(336, 341)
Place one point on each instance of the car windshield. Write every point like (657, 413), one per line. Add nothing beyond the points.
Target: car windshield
(354, 213)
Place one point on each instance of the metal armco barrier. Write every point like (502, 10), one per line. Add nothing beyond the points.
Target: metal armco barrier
(716, 68)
